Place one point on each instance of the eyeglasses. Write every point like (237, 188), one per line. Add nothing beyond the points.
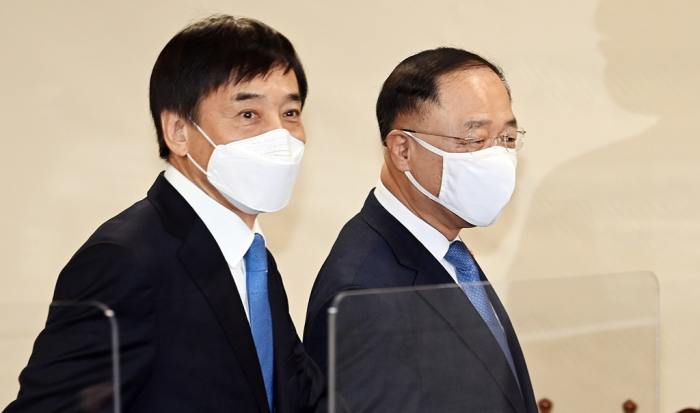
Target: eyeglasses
(512, 139)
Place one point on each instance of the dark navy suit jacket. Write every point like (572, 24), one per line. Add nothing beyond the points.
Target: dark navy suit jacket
(423, 350)
(185, 342)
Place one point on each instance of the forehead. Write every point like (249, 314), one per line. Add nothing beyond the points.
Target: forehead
(274, 85)
(474, 95)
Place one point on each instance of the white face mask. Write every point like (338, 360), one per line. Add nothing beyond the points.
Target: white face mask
(256, 174)
(475, 186)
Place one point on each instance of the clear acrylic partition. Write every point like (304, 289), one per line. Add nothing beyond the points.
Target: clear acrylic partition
(90, 324)
(590, 343)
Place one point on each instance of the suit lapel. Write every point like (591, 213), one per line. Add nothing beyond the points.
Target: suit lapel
(201, 257)
(283, 334)
(456, 309)
(515, 350)
(466, 322)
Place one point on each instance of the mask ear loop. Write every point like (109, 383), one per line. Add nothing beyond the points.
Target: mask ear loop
(201, 131)
(420, 187)
(410, 176)
(196, 164)
(428, 146)
(440, 152)
(207, 138)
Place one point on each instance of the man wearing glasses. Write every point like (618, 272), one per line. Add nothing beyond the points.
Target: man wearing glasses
(451, 143)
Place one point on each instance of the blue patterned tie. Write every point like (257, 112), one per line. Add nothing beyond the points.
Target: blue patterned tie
(259, 306)
(468, 276)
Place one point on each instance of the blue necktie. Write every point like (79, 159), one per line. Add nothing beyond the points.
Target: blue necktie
(259, 307)
(468, 276)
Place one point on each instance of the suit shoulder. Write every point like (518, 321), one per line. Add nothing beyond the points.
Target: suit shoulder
(121, 237)
(357, 248)
(138, 228)
(129, 224)
(123, 250)
(360, 258)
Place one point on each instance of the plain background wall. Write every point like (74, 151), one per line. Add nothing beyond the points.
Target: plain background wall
(608, 180)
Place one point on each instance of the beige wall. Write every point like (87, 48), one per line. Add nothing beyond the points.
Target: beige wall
(608, 180)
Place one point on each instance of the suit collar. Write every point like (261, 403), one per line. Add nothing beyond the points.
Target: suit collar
(406, 247)
(201, 257)
(175, 213)
(432, 239)
(232, 235)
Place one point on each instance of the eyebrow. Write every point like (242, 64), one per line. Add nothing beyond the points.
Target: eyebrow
(480, 123)
(476, 123)
(242, 96)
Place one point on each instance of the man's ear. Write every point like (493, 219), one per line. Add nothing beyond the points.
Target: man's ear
(175, 132)
(398, 149)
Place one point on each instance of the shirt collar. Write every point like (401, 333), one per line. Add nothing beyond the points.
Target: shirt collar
(432, 239)
(231, 234)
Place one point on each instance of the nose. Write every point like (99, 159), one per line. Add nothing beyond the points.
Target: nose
(295, 128)
(499, 141)
(275, 122)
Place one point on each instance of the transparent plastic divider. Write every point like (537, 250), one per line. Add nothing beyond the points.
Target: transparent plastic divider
(90, 325)
(590, 344)
(19, 325)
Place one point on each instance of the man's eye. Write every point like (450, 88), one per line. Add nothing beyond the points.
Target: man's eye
(248, 114)
(292, 113)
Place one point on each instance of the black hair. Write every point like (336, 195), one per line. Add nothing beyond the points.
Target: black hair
(415, 81)
(211, 53)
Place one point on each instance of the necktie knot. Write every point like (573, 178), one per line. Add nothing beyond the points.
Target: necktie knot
(256, 256)
(463, 261)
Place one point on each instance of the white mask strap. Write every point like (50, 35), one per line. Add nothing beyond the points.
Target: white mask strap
(420, 187)
(202, 132)
(207, 138)
(196, 164)
(429, 147)
(410, 175)
(479, 154)
(431, 196)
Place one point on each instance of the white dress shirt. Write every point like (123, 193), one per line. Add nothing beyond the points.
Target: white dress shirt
(231, 234)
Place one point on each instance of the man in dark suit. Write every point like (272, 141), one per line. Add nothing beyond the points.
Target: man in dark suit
(203, 317)
(451, 139)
